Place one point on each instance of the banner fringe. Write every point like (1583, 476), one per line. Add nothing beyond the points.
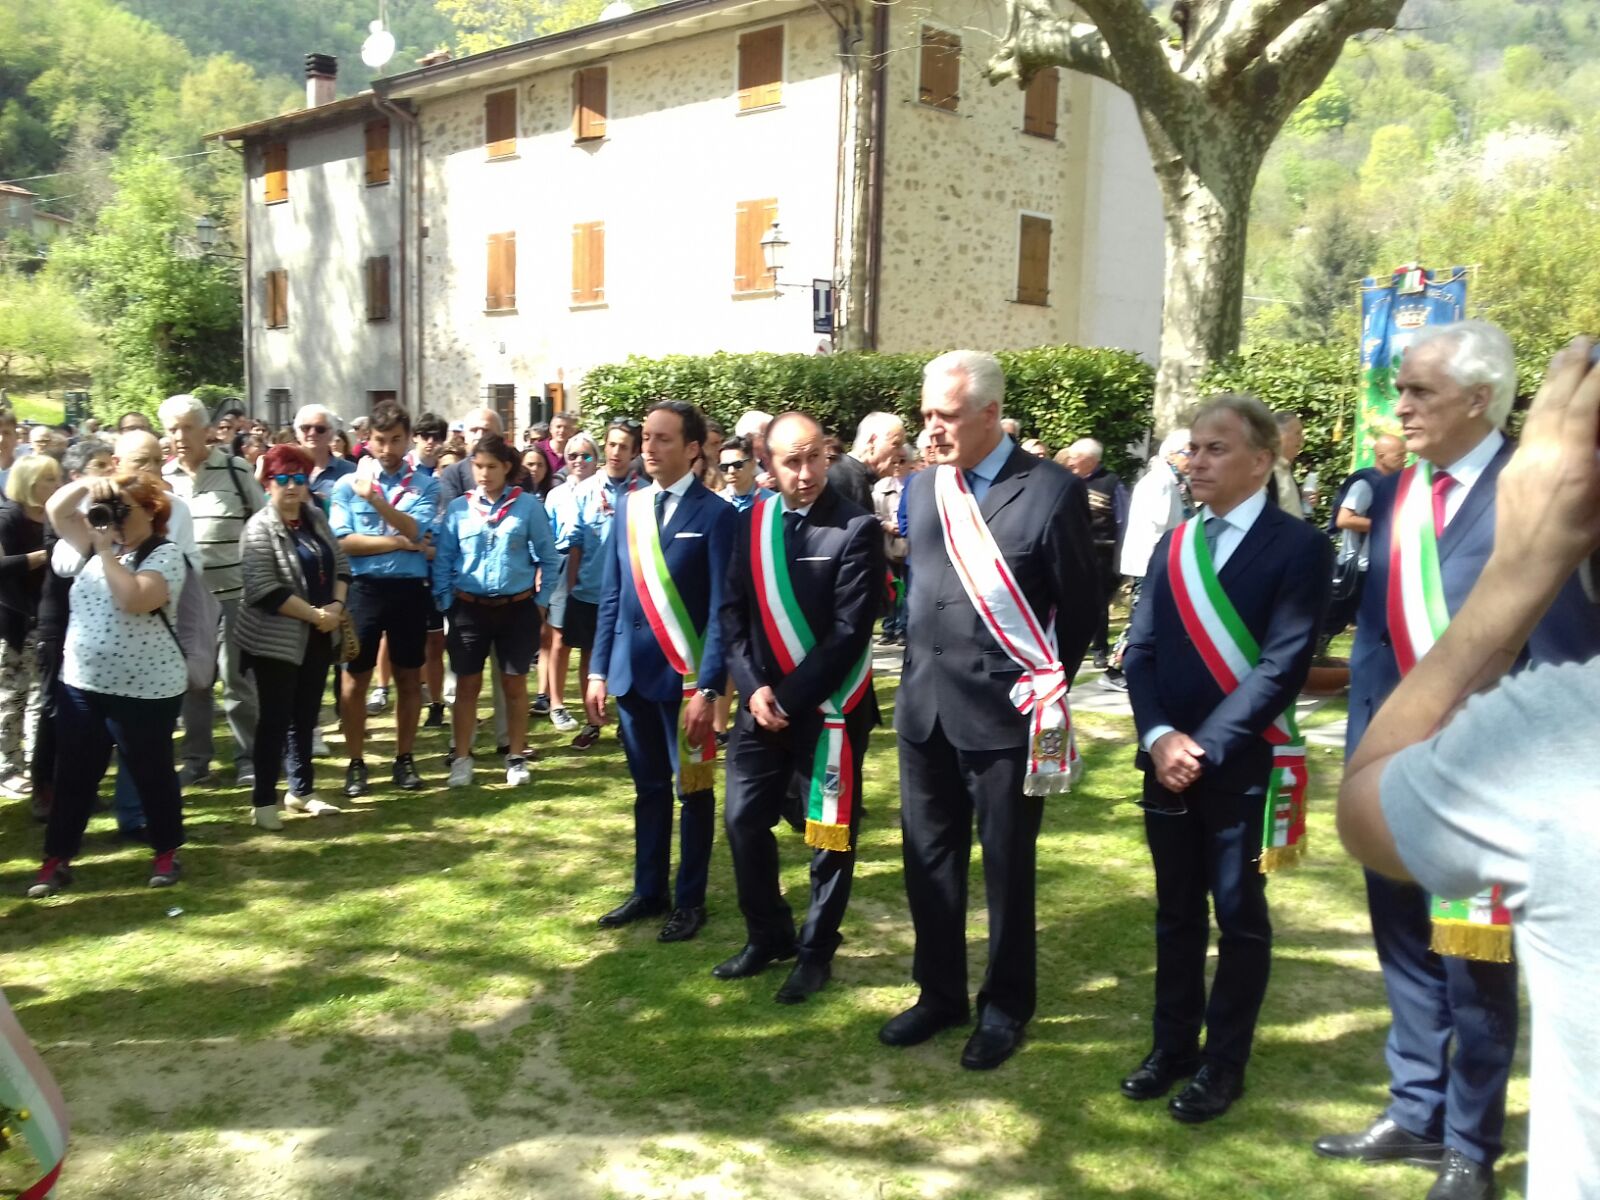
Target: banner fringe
(1468, 939)
(696, 777)
(1057, 783)
(1283, 858)
(822, 836)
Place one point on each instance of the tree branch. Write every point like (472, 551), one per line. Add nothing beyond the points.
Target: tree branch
(1036, 38)
(1299, 59)
(1245, 33)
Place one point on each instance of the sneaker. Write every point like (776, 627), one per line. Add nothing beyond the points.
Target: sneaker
(165, 870)
(265, 816)
(405, 774)
(516, 770)
(245, 778)
(355, 778)
(563, 720)
(1100, 659)
(309, 805)
(54, 875)
(461, 772)
(192, 773)
(541, 704)
(377, 700)
(435, 717)
(887, 639)
(588, 736)
(319, 744)
(1117, 682)
(17, 788)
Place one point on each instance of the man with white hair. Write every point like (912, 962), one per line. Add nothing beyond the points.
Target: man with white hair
(1002, 603)
(1446, 961)
(222, 495)
(872, 456)
(1159, 503)
(314, 427)
(1108, 514)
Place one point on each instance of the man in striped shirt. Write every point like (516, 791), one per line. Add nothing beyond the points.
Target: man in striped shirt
(222, 494)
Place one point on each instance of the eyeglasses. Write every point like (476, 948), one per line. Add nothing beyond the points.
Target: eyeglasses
(580, 458)
(313, 429)
(735, 464)
(433, 437)
(624, 423)
(285, 480)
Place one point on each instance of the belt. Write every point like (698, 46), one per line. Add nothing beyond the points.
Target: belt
(494, 601)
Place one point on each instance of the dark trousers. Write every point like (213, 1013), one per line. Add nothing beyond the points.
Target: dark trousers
(1453, 1029)
(760, 768)
(43, 769)
(1106, 557)
(941, 790)
(1212, 848)
(288, 698)
(650, 741)
(89, 724)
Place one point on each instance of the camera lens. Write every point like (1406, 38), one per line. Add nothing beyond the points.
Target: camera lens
(100, 516)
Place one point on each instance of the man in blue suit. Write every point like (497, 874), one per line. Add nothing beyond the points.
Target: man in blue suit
(1205, 753)
(635, 631)
(1454, 1021)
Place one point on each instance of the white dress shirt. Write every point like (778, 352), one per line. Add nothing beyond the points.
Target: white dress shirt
(674, 493)
(1467, 470)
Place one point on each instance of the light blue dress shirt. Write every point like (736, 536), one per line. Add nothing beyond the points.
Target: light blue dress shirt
(981, 477)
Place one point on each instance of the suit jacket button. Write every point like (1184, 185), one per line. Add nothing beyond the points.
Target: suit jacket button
(636, 625)
(940, 604)
(938, 649)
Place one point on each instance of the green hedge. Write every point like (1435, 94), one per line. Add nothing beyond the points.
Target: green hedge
(1059, 393)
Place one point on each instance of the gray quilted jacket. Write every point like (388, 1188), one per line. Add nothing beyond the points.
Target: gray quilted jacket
(270, 566)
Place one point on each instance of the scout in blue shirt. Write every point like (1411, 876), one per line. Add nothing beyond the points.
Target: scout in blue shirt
(496, 567)
(384, 524)
(738, 463)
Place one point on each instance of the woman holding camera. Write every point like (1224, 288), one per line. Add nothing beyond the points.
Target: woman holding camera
(22, 566)
(123, 673)
(295, 578)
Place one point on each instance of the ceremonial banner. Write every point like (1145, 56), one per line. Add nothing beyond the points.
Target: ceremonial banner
(1392, 310)
(31, 1108)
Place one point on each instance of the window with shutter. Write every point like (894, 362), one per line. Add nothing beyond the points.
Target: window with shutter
(939, 77)
(589, 263)
(377, 153)
(275, 299)
(1039, 104)
(502, 289)
(378, 288)
(753, 219)
(761, 68)
(1033, 261)
(277, 407)
(276, 173)
(589, 100)
(502, 398)
(500, 123)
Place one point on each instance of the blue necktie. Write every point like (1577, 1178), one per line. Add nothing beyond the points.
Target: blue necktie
(973, 479)
(1213, 533)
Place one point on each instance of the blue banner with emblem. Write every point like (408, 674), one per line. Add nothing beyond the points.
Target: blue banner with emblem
(1392, 311)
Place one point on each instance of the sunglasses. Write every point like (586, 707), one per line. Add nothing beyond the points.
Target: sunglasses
(580, 458)
(313, 429)
(285, 480)
(624, 423)
(735, 464)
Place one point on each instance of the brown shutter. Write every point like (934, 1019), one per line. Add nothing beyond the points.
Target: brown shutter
(277, 173)
(940, 79)
(589, 263)
(377, 152)
(502, 290)
(378, 304)
(589, 103)
(761, 68)
(753, 220)
(500, 123)
(1033, 261)
(1039, 104)
(275, 299)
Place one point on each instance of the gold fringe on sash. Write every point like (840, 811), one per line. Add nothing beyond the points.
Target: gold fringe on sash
(822, 836)
(1281, 858)
(1469, 939)
(696, 777)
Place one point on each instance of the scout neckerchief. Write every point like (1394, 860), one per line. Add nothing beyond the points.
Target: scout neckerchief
(1230, 653)
(832, 800)
(493, 512)
(674, 630)
(31, 1106)
(1479, 928)
(1041, 693)
(402, 487)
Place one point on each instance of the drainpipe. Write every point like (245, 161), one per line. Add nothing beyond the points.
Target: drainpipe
(247, 215)
(412, 169)
(880, 84)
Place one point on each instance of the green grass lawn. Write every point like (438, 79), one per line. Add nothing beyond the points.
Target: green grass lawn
(412, 1000)
(32, 407)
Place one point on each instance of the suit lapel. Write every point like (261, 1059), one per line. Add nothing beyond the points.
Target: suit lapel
(1257, 539)
(1477, 506)
(1009, 485)
(686, 503)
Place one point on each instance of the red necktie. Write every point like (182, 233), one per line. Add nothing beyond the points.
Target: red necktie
(1442, 483)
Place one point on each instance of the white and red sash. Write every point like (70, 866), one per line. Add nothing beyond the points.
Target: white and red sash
(995, 595)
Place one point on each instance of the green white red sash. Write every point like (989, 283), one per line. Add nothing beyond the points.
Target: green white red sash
(831, 800)
(1230, 653)
(680, 642)
(992, 589)
(1479, 928)
(31, 1107)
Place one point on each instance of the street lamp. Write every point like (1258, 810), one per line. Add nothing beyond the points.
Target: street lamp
(772, 249)
(205, 233)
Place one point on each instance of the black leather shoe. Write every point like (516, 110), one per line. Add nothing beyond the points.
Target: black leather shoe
(1208, 1095)
(919, 1023)
(1382, 1142)
(1462, 1179)
(682, 924)
(989, 1046)
(1155, 1076)
(634, 908)
(805, 981)
(751, 960)
(355, 778)
(405, 774)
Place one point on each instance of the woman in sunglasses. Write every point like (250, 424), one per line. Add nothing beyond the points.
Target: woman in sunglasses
(295, 578)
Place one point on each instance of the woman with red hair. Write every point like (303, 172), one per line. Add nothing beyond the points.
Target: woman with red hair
(295, 578)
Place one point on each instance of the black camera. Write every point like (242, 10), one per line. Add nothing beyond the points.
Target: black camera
(108, 514)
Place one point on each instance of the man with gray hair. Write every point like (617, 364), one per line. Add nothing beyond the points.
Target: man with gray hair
(873, 455)
(1003, 553)
(1108, 516)
(314, 427)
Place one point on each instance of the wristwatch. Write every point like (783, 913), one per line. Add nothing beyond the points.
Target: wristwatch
(710, 695)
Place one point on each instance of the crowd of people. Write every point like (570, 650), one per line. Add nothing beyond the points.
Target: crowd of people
(724, 592)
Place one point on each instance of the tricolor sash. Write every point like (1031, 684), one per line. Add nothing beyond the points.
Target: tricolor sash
(831, 799)
(1479, 928)
(992, 589)
(1230, 653)
(680, 642)
(31, 1106)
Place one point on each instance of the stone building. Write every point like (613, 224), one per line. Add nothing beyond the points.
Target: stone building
(487, 229)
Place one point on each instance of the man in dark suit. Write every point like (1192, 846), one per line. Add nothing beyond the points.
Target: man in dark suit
(1204, 744)
(831, 570)
(965, 747)
(636, 631)
(1453, 1028)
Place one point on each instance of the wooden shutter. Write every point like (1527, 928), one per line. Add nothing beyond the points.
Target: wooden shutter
(377, 153)
(940, 78)
(589, 263)
(500, 123)
(1039, 104)
(275, 299)
(752, 221)
(1033, 261)
(502, 290)
(378, 288)
(277, 173)
(761, 68)
(589, 88)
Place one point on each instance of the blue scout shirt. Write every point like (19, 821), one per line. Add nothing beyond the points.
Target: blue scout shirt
(597, 501)
(413, 493)
(747, 501)
(498, 558)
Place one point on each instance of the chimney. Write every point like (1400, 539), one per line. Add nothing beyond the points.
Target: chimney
(322, 71)
(434, 58)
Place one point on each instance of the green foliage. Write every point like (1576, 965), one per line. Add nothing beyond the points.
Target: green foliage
(1325, 110)
(484, 24)
(1338, 254)
(1059, 393)
(42, 331)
